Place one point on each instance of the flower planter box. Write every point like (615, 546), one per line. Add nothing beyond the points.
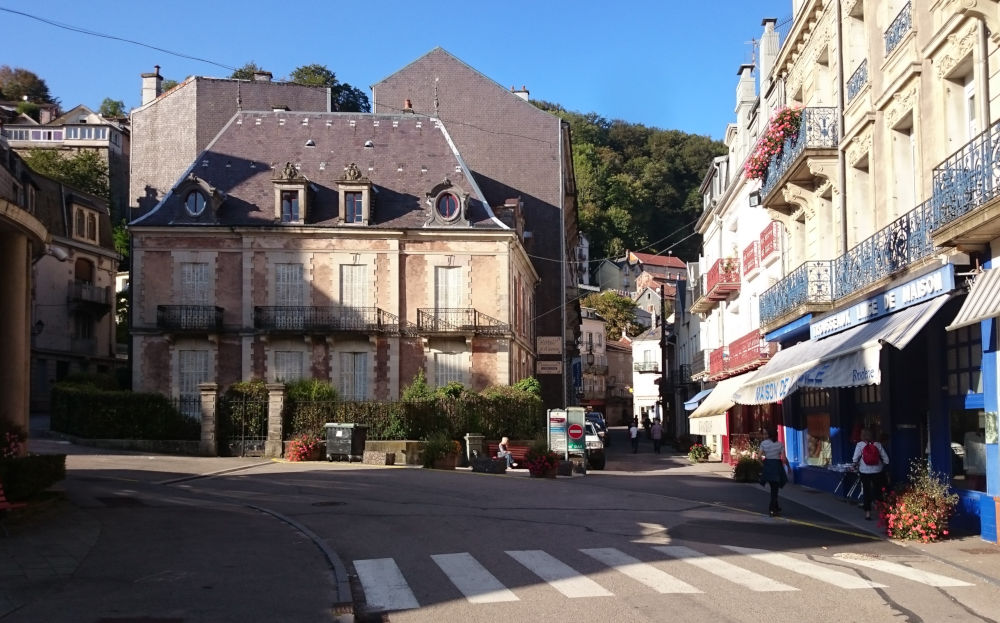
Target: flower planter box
(448, 462)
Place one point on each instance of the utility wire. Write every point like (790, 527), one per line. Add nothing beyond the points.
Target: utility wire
(113, 37)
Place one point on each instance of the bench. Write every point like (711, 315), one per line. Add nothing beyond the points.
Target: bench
(6, 505)
(518, 452)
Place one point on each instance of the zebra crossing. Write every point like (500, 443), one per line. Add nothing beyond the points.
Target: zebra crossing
(386, 587)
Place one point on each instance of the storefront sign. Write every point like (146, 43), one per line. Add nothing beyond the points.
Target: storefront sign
(549, 345)
(549, 367)
(711, 425)
(910, 293)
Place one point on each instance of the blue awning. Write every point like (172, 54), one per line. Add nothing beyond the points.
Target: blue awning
(693, 402)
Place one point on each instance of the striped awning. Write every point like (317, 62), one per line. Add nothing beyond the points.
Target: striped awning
(982, 302)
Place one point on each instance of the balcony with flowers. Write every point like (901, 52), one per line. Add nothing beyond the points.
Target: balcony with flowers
(793, 137)
(722, 282)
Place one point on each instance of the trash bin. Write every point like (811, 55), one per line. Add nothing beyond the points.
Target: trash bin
(345, 441)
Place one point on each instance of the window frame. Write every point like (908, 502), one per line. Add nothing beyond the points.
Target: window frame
(197, 195)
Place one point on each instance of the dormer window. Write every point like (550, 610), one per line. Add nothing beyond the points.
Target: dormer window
(355, 196)
(290, 195)
(84, 224)
(195, 203)
(447, 206)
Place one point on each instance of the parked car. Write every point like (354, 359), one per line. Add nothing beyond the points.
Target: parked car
(595, 447)
(597, 419)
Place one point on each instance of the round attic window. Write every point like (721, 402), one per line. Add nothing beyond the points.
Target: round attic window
(447, 206)
(195, 203)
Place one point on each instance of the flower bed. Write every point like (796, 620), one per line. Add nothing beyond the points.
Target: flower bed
(699, 453)
(921, 510)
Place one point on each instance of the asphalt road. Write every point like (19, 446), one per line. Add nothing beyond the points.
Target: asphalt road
(645, 540)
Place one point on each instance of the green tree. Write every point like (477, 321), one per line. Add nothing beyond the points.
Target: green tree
(83, 170)
(530, 385)
(16, 83)
(112, 108)
(617, 311)
(166, 85)
(417, 389)
(246, 72)
(346, 98)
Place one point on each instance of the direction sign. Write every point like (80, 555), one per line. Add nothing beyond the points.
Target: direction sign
(575, 431)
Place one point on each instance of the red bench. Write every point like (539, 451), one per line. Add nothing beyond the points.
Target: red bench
(517, 451)
(6, 505)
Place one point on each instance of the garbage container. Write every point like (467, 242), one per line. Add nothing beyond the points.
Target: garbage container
(345, 441)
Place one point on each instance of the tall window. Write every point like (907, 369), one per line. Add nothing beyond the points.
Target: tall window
(289, 206)
(963, 356)
(92, 227)
(447, 287)
(80, 224)
(195, 283)
(449, 367)
(352, 209)
(353, 285)
(193, 370)
(287, 365)
(288, 285)
(354, 376)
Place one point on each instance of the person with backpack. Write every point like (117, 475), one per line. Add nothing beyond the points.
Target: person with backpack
(869, 459)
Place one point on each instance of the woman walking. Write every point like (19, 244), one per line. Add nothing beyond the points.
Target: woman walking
(869, 458)
(775, 464)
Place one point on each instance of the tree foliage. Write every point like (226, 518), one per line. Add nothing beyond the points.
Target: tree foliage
(246, 72)
(16, 82)
(166, 85)
(112, 108)
(637, 186)
(617, 311)
(346, 98)
(83, 170)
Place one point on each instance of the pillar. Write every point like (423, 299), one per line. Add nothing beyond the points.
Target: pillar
(15, 346)
(273, 448)
(209, 445)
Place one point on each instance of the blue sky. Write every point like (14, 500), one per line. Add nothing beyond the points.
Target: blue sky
(667, 63)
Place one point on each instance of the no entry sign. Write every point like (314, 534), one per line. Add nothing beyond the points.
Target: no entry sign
(575, 431)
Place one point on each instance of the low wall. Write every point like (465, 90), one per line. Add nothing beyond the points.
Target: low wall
(183, 447)
(407, 452)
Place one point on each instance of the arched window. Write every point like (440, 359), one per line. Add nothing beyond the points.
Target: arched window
(92, 227)
(195, 203)
(447, 206)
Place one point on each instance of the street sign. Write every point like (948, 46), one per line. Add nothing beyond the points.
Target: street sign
(575, 431)
(575, 418)
(548, 367)
(557, 430)
(549, 345)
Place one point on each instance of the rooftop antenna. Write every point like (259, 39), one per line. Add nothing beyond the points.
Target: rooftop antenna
(753, 43)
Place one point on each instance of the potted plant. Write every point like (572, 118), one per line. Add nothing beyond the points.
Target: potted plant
(749, 463)
(541, 461)
(698, 453)
(303, 447)
(440, 452)
(921, 510)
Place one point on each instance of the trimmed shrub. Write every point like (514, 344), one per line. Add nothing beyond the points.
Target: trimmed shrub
(84, 411)
(309, 404)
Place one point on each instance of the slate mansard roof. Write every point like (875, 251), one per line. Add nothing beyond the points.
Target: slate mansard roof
(404, 155)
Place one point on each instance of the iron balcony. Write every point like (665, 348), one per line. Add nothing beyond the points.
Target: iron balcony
(189, 318)
(459, 320)
(323, 319)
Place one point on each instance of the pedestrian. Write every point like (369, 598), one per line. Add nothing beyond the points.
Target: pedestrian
(869, 459)
(657, 432)
(503, 452)
(775, 466)
(633, 434)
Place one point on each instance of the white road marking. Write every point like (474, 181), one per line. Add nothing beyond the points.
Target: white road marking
(909, 573)
(562, 577)
(723, 569)
(659, 581)
(810, 569)
(477, 584)
(384, 584)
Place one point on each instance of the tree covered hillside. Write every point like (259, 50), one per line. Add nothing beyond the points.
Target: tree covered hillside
(637, 187)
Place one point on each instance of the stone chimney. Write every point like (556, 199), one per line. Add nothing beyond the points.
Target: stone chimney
(522, 93)
(769, 46)
(262, 76)
(152, 85)
(746, 88)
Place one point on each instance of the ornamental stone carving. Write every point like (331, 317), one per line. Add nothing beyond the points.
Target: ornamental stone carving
(958, 47)
(899, 105)
(859, 147)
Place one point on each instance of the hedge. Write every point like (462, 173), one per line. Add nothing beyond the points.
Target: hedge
(24, 477)
(91, 413)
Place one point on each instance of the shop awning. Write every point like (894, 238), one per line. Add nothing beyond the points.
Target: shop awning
(982, 302)
(693, 402)
(721, 398)
(846, 359)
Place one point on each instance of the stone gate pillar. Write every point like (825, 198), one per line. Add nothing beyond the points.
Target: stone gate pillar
(209, 445)
(273, 448)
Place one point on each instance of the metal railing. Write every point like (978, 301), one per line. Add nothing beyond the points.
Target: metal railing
(322, 319)
(898, 29)
(751, 257)
(749, 351)
(817, 130)
(769, 239)
(646, 366)
(684, 373)
(439, 320)
(189, 317)
(858, 80)
(809, 283)
(889, 250)
(968, 179)
(89, 293)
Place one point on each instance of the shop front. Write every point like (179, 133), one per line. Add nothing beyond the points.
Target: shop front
(712, 417)
(887, 364)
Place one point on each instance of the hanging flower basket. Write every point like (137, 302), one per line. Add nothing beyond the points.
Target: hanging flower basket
(784, 124)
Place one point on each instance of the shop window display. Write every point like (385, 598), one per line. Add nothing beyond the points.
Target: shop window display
(968, 449)
(815, 404)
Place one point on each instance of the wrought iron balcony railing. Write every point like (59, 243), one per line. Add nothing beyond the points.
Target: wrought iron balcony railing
(898, 29)
(207, 318)
(889, 250)
(459, 320)
(968, 179)
(858, 80)
(809, 283)
(684, 373)
(324, 319)
(646, 366)
(699, 364)
(817, 130)
(81, 292)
